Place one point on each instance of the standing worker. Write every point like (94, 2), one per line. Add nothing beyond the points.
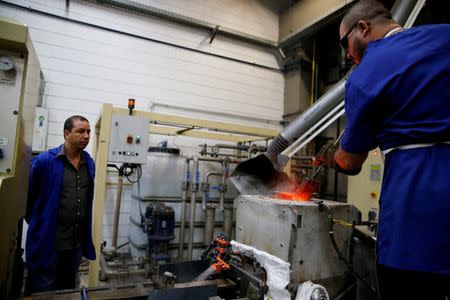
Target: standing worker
(59, 211)
(398, 99)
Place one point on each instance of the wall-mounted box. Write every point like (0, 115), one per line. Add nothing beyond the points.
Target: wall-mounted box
(128, 140)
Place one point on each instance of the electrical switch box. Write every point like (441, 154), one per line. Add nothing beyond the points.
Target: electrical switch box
(128, 140)
(11, 74)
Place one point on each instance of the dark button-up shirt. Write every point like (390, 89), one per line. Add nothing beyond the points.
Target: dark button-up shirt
(72, 210)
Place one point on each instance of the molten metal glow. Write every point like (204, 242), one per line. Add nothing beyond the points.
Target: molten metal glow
(302, 193)
(291, 196)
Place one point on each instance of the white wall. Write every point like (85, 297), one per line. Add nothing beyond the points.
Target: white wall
(85, 67)
(248, 15)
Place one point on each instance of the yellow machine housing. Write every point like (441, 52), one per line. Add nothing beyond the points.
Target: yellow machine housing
(365, 188)
(19, 94)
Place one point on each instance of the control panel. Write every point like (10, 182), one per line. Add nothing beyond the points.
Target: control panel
(11, 74)
(128, 140)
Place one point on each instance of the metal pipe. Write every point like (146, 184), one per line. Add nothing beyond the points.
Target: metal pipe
(223, 188)
(224, 154)
(194, 189)
(110, 272)
(414, 14)
(210, 222)
(226, 146)
(400, 12)
(117, 212)
(313, 74)
(314, 113)
(217, 160)
(206, 187)
(167, 199)
(253, 148)
(225, 163)
(185, 187)
(209, 174)
(228, 221)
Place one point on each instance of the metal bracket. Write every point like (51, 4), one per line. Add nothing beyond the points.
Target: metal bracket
(213, 34)
(185, 130)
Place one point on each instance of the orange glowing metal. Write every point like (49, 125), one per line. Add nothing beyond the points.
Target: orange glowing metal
(302, 193)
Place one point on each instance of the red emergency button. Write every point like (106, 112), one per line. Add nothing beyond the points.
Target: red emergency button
(129, 139)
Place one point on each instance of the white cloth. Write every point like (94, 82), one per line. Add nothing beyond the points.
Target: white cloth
(278, 271)
(306, 289)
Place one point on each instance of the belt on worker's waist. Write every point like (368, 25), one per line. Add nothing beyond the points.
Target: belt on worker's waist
(412, 146)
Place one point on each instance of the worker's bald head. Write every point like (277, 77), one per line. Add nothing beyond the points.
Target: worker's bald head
(366, 21)
(368, 10)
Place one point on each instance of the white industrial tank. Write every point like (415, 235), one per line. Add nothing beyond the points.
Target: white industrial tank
(161, 181)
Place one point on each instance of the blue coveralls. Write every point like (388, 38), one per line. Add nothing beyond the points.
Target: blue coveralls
(400, 95)
(46, 176)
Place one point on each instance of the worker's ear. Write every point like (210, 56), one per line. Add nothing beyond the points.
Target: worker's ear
(364, 27)
(66, 133)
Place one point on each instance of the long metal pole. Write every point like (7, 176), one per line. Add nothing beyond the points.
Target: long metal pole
(210, 222)
(194, 189)
(401, 10)
(117, 213)
(185, 188)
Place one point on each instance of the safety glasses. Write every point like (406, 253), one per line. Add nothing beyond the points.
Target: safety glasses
(344, 41)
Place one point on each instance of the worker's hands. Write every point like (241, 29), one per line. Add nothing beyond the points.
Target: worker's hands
(325, 156)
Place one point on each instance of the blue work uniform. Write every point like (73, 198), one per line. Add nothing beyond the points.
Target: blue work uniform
(400, 95)
(46, 178)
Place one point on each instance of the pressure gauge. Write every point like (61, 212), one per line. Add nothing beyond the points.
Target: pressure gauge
(6, 63)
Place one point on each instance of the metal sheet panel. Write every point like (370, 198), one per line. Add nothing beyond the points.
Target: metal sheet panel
(296, 232)
(19, 96)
